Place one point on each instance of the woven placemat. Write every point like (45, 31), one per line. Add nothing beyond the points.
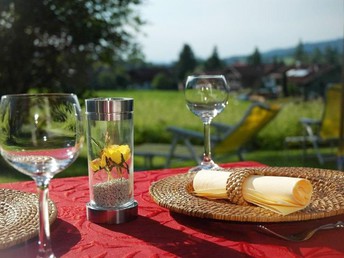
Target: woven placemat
(174, 193)
(19, 219)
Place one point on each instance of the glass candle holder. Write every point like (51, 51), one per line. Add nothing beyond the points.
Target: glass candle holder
(110, 142)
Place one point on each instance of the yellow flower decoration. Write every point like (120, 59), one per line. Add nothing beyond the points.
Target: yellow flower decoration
(110, 157)
(117, 153)
(95, 164)
(102, 161)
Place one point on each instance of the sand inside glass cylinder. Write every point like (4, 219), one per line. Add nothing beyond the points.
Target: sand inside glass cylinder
(112, 193)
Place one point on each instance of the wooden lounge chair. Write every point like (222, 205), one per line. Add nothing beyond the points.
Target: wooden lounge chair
(225, 139)
(323, 132)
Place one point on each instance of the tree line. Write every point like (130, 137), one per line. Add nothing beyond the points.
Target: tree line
(188, 62)
(79, 46)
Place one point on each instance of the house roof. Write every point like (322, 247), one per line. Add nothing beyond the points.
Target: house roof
(305, 75)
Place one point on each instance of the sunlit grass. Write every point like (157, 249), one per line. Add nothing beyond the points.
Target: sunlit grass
(155, 110)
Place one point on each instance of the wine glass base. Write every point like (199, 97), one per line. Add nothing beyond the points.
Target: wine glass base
(204, 166)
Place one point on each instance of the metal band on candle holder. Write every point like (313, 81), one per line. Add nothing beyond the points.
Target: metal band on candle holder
(112, 216)
(108, 109)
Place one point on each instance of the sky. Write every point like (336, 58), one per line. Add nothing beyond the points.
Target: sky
(235, 27)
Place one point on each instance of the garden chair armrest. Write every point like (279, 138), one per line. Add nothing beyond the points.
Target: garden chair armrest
(181, 133)
(311, 126)
(310, 121)
(185, 133)
(221, 129)
(221, 126)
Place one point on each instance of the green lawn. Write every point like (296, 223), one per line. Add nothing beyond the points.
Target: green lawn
(155, 110)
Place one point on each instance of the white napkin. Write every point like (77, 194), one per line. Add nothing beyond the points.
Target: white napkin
(283, 195)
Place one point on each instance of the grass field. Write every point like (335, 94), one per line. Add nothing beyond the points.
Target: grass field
(155, 110)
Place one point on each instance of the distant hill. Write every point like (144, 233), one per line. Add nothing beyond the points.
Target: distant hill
(288, 52)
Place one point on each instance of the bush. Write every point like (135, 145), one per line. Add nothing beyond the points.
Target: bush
(162, 81)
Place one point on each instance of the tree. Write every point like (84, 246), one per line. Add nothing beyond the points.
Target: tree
(186, 63)
(255, 58)
(51, 45)
(213, 63)
(317, 56)
(300, 53)
(331, 56)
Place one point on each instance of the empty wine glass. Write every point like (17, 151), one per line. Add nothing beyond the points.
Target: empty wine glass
(206, 96)
(40, 135)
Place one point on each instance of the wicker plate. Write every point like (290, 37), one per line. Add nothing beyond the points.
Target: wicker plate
(327, 200)
(19, 216)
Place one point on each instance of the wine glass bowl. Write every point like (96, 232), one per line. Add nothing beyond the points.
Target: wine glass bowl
(41, 135)
(206, 96)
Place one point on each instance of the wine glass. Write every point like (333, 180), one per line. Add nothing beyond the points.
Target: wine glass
(206, 96)
(41, 135)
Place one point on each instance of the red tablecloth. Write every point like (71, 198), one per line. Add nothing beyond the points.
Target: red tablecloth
(158, 233)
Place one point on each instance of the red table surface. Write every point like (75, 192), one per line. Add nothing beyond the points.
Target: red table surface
(158, 233)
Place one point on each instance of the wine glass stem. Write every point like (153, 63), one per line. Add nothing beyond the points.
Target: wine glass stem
(44, 249)
(207, 143)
